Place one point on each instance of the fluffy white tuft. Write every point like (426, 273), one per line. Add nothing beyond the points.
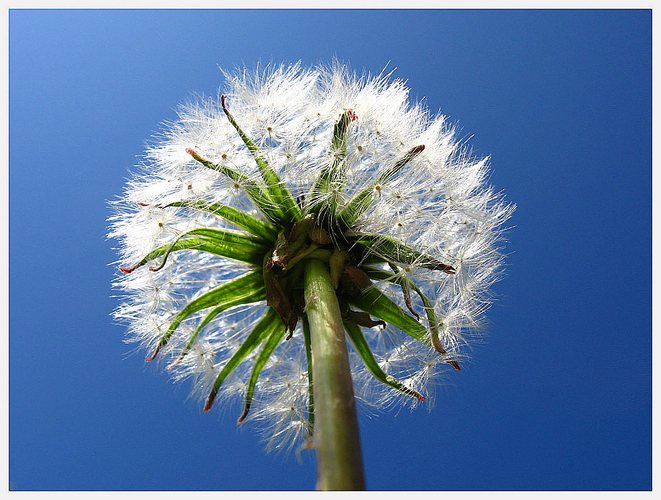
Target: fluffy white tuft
(438, 204)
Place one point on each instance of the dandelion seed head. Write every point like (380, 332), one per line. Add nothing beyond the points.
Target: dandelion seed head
(437, 203)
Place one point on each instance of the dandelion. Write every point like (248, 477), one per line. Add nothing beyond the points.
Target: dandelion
(305, 207)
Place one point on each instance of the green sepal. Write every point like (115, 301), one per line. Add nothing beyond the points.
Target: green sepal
(269, 346)
(233, 245)
(255, 192)
(228, 302)
(201, 244)
(278, 192)
(389, 173)
(406, 283)
(362, 347)
(239, 218)
(359, 204)
(262, 329)
(332, 177)
(242, 290)
(373, 301)
(356, 206)
(392, 250)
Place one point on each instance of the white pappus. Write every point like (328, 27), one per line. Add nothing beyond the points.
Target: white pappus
(425, 201)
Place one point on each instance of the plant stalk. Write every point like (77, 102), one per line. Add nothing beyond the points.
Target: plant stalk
(336, 439)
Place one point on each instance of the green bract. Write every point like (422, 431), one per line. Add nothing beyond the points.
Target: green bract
(319, 227)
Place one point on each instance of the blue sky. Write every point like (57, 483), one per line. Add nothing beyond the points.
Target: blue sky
(559, 395)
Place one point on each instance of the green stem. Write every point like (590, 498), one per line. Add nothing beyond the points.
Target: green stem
(339, 462)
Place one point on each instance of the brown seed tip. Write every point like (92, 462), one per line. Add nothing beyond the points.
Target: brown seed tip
(243, 416)
(223, 102)
(142, 204)
(455, 365)
(447, 269)
(418, 149)
(197, 156)
(208, 404)
(153, 356)
(128, 270)
(352, 115)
